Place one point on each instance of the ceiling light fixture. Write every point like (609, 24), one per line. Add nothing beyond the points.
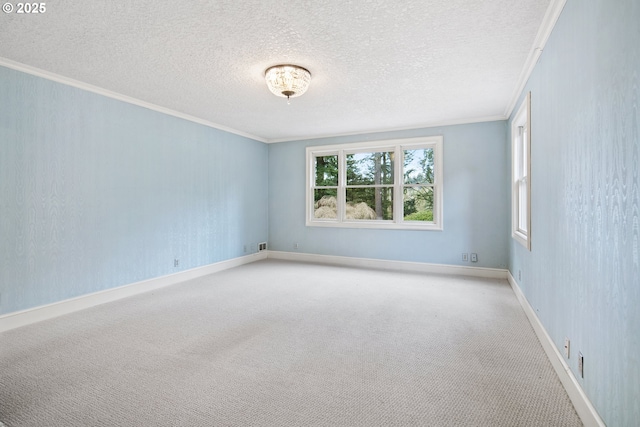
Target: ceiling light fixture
(287, 80)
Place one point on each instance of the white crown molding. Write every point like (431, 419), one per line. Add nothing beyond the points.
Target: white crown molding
(124, 98)
(378, 131)
(14, 65)
(581, 402)
(548, 23)
(417, 267)
(49, 311)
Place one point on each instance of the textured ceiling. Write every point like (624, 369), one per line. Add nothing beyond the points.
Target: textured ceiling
(375, 64)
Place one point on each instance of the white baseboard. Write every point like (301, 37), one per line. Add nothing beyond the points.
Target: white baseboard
(44, 312)
(418, 267)
(581, 402)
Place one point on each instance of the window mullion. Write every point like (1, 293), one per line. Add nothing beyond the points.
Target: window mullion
(398, 168)
(342, 182)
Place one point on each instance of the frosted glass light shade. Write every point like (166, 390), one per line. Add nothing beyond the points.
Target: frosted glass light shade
(287, 81)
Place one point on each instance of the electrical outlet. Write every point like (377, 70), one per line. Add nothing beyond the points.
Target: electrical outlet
(474, 257)
(567, 347)
(581, 364)
(465, 257)
(262, 246)
(176, 262)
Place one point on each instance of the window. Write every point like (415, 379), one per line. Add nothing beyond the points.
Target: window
(521, 167)
(385, 184)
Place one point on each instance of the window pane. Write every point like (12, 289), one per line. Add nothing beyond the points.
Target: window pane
(418, 166)
(521, 153)
(370, 203)
(520, 156)
(325, 203)
(525, 154)
(418, 204)
(522, 205)
(326, 171)
(370, 168)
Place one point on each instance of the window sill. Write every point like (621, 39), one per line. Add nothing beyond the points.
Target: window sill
(383, 225)
(523, 239)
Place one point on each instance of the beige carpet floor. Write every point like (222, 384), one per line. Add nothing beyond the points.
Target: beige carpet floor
(277, 343)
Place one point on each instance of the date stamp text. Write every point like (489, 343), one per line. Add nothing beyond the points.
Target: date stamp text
(24, 8)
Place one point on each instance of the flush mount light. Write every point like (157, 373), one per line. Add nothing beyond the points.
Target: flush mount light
(287, 80)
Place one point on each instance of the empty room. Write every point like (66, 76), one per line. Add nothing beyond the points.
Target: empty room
(338, 213)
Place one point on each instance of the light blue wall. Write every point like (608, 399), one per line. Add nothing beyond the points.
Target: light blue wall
(96, 193)
(476, 207)
(582, 275)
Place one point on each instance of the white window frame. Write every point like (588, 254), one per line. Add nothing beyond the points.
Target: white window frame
(521, 174)
(397, 145)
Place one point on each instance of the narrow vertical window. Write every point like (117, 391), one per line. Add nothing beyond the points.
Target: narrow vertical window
(325, 187)
(521, 167)
(419, 184)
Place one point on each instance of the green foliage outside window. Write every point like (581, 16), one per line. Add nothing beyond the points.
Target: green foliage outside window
(369, 187)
